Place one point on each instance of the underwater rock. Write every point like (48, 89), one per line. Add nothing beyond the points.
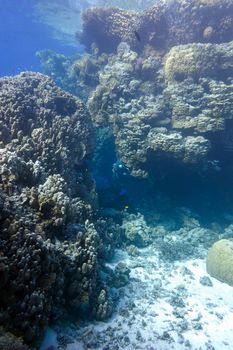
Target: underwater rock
(132, 250)
(191, 240)
(166, 24)
(219, 263)
(206, 281)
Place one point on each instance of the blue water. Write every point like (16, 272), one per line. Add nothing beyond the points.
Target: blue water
(21, 36)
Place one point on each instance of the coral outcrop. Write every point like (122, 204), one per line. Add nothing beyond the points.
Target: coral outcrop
(166, 24)
(49, 243)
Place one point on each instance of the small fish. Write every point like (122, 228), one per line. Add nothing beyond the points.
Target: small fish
(137, 35)
(126, 206)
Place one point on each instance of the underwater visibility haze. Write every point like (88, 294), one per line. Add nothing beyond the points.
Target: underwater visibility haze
(116, 175)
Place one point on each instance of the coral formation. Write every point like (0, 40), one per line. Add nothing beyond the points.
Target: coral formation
(200, 88)
(171, 112)
(49, 244)
(162, 100)
(219, 261)
(166, 24)
(106, 28)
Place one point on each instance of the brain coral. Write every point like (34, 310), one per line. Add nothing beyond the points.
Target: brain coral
(219, 261)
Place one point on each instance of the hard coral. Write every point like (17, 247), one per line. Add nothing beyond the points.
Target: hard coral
(162, 26)
(45, 186)
(219, 261)
(169, 113)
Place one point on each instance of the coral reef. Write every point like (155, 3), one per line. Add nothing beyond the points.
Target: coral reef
(166, 24)
(49, 243)
(29, 273)
(176, 109)
(42, 123)
(219, 261)
(128, 102)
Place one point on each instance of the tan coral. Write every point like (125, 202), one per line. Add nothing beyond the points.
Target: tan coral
(219, 261)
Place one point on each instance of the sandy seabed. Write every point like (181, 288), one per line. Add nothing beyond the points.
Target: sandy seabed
(165, 306)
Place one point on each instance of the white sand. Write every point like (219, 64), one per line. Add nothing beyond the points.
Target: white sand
(164, 307)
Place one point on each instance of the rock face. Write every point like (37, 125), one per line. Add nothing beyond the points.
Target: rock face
(219, 262)
(162, 26)
(49, 244)
(176, 108)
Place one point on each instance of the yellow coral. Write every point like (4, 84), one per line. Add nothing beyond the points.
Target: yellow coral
(219, 262)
